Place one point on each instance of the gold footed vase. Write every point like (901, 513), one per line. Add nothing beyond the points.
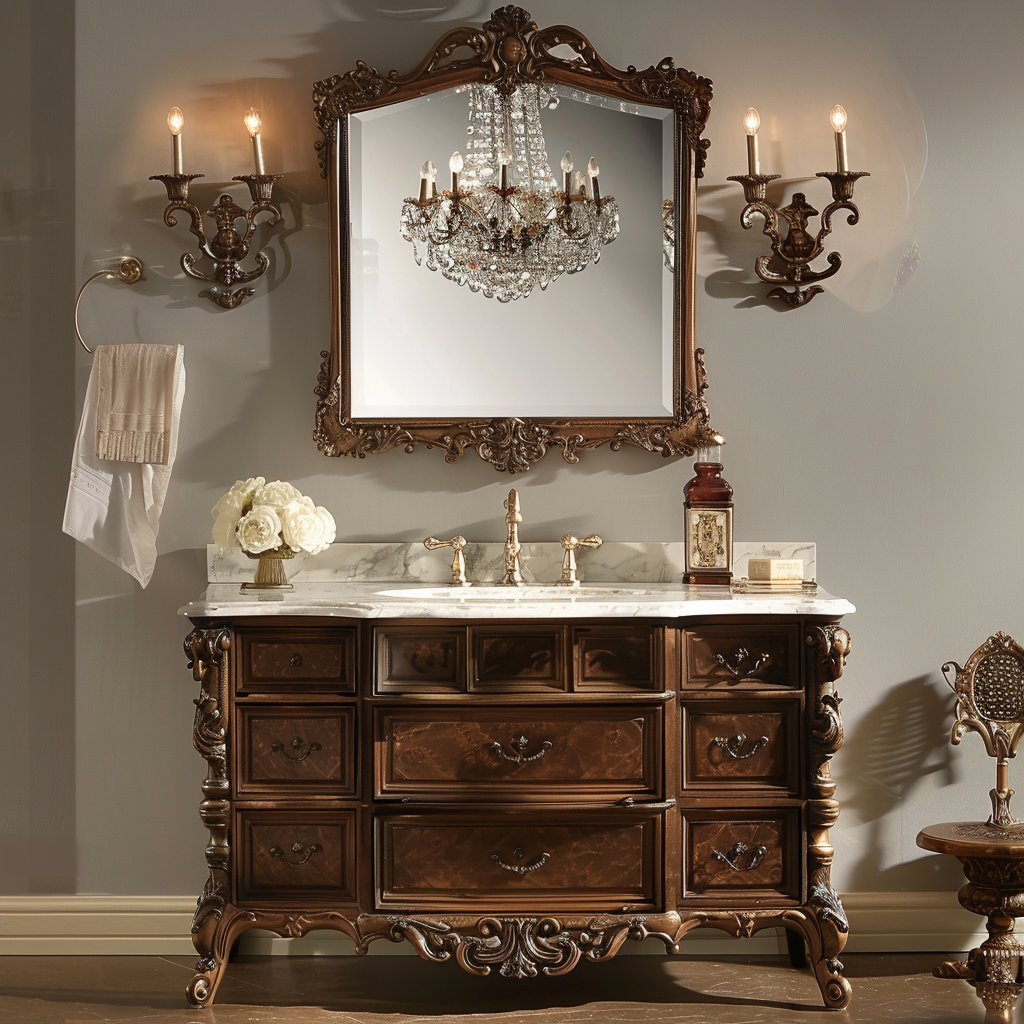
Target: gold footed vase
(270, 571)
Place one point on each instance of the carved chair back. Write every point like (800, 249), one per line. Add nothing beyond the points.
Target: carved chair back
(990, 701)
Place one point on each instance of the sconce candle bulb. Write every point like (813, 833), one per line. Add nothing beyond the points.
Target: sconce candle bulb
(253, 124)
(175, 122)
(567, 167)
(838, 120)
(751, 122)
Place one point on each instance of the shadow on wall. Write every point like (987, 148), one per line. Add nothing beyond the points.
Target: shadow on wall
(904, 739)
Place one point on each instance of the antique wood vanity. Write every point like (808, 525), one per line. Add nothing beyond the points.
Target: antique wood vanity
(517, 784)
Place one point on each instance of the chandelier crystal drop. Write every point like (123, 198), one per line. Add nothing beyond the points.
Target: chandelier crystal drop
(505, 226)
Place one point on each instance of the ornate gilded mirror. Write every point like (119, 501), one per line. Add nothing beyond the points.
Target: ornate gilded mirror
(516, 302)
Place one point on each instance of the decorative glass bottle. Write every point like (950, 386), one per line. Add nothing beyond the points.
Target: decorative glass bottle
(708, 513)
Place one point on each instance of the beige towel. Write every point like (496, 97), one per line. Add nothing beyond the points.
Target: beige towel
(134, 402)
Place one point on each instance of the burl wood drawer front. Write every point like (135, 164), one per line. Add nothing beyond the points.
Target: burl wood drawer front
(275, 660)
(616, 657)
(749, 744)
(296, 750)
(418, 659)
(513, 658)
(285, 854)
(732, 853)
(584, 753)
(741, 657)
(548, 863)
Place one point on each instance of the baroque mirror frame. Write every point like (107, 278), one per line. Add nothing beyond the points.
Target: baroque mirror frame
(507, 51)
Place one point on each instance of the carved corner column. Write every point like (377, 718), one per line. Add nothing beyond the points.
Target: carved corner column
(206, 650)
(824, 922)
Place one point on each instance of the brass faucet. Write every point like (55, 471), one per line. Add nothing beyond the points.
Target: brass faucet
(513, 549)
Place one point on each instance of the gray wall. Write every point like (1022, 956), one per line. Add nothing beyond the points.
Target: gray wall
(885, 428)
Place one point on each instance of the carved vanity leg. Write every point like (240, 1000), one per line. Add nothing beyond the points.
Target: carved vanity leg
(215, 921)
(823, 920)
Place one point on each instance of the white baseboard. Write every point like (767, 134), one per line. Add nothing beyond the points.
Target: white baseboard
(160, 925)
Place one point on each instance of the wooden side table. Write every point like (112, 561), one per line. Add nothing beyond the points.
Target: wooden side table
(992, 857)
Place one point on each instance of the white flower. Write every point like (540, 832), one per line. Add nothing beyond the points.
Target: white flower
(306, 527)
(259, 530)
(229, 508)
(277, 494)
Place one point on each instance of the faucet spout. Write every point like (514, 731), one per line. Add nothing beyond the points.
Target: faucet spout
(513, 549)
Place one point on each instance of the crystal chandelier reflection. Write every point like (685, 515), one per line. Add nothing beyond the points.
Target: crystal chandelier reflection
(505, 226)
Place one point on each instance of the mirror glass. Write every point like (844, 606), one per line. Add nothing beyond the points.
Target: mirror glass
(598, 343)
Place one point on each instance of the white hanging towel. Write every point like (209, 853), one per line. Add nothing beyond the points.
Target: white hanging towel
(132, 409)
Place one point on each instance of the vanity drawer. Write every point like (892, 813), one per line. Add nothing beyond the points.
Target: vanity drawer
(534, 752)
(741, 657)
(288, 854)
(297, 750)
(544, 861)
(617, 657)
(278, 659)
(518, 658)
(748, 744)
(752, 853)
(420, 659)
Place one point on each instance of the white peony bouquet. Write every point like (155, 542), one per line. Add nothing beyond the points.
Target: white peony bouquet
(259, 517)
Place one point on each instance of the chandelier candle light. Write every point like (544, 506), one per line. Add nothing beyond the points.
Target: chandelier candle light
(793, 254)
(505, 226)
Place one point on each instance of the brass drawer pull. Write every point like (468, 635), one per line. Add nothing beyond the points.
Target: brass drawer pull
(297, 848)
(733, 744)
(522, 869)
(738, 668)
(296, 744)
(737, 853)
(650, 805)
(296, 661)
(519, 746)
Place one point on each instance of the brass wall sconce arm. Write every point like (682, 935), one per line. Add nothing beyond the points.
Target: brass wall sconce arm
(228, 246)
(795, 251)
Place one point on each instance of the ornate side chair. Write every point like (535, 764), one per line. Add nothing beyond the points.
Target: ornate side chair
(990, 701)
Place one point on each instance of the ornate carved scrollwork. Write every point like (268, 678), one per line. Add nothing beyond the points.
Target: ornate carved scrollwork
(510, 445)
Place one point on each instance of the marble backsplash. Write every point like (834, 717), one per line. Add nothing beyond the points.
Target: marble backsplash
(613, 562)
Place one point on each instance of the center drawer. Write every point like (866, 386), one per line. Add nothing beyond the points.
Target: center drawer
(541, 861)
(529, 752)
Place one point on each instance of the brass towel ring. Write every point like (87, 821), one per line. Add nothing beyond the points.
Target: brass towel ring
(128, 270)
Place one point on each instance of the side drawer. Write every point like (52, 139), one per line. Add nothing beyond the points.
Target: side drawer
(295, 750)
(736, 854)
(512, 862)
(609, 657)
(746, 744)
(529, 752)
(741, 657)
(283, 855)
(276, 660)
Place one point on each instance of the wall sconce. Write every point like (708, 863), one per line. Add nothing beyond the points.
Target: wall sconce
(227, 248)
(796, 251)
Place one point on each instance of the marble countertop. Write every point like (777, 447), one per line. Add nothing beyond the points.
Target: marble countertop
(393, 599)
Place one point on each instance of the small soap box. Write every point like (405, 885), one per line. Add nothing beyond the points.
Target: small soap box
(765, 570)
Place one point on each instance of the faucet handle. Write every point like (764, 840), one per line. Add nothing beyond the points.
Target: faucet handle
(457, 544)
(570, 578)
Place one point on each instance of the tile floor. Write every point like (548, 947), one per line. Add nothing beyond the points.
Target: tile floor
(405, 990)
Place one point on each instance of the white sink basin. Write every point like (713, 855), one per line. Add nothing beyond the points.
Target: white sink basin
(487, 592)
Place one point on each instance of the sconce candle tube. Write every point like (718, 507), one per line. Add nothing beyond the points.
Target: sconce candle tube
(567, 173)
(253, 123)
(751, 122)
(455, 165)
(175, 122)
(838, 120)
(427, 173)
